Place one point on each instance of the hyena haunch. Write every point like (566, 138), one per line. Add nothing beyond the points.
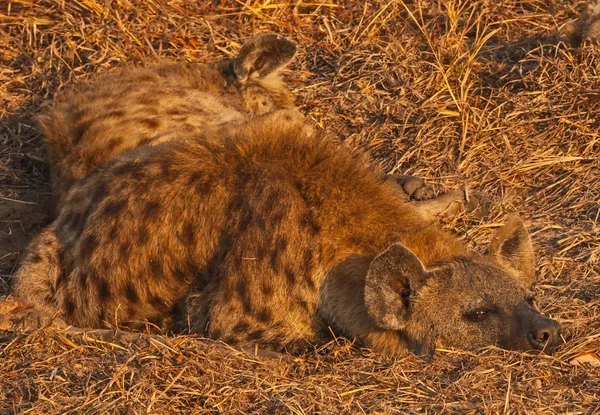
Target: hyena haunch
(153, 104)
(264, 232)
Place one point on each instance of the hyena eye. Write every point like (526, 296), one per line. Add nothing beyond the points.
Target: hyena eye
(477, 315)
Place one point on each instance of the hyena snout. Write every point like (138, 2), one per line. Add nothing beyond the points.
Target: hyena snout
(544, 333)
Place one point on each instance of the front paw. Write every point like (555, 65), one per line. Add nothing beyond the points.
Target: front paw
(413, 187)
(18, 316)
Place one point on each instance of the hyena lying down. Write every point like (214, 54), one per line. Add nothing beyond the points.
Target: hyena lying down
(157, 103)
(266, 233)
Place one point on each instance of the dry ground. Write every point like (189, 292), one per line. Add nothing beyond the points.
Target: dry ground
(461, 92)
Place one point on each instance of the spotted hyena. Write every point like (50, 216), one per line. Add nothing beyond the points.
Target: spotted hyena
(587, 26)
(265, 232)
(153, 104)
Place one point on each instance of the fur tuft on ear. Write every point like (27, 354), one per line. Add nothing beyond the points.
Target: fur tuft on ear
(511, 248)
(263, 55)
(392, 277)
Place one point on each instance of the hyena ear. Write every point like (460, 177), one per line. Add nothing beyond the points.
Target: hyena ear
(263, 55)
(392, 277)
(511, 248)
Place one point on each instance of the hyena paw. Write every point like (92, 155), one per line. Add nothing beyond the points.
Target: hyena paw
(415, 188)
(477, 202)
(18, 316)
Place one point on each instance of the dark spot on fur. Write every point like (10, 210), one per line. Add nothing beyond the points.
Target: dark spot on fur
(142, 234)
(88, 246)
(260, 222)
(115, 232)
(174, 111)
(241, 286)
(69, 307)
(80, 129)
(150, 211)
(148, 100)
(112, 144)
(129, 169)
(103, 290)
(256, 334)
(273, 200)
(131, 293)
(266, 288)
(262, 249)
(302, 304)
(201, 184)
(35, 259)
(264, 315)
(151, 123)
(188, 235)
(124, 249)
(228, 339)
(241, 327)
(156, 267)
(113, 114)
(290, 275)
(277, 217)
(309, 224)
(246, 304)
(51, 295)
(277, 251)
(158, 303)
(100, 192)
(114, 208)
(165, 167)
(83, 280)
(307, 258)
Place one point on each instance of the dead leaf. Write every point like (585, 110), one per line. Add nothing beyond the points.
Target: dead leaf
(586, 358)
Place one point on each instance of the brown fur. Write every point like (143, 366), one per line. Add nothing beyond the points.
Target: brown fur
(263, 232)
(154, 104)
(587, 26)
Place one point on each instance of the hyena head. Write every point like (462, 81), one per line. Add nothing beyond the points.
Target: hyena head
(257, 69)
(467, 303)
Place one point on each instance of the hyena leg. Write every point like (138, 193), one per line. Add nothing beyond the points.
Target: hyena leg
(413, 187)
(34, 285)
(237, 318)
(452, 203)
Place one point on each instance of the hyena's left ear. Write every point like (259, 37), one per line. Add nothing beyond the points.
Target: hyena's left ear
(392, 278)
(511, 248)
(263, 55)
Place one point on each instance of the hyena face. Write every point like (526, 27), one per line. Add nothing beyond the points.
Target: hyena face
(469, 302)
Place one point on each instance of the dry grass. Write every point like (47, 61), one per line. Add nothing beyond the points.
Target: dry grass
(459, 92)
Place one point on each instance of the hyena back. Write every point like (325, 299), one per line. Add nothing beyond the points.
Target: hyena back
(153, 104)
(263, 232)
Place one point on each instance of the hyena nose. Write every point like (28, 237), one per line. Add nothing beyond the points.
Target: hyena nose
(544, 334)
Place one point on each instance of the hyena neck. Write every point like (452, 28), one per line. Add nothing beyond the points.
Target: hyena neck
(432, 245)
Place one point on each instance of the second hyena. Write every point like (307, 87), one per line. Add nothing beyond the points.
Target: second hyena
(266, 233)
(157, 103)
